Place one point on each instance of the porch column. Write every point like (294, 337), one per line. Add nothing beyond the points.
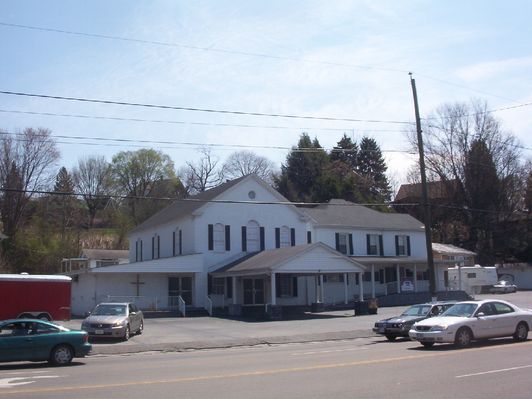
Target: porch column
(361, 286)
(398, 271)
(317, 288)
(321, 289)
(372, 280)
(345, 288)
(415, 277)
(272, 288)
(235, 296)
(385, 282)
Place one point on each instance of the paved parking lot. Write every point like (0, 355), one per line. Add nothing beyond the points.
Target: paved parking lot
(211, 332)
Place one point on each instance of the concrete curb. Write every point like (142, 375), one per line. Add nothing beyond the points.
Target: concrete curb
(231, 343)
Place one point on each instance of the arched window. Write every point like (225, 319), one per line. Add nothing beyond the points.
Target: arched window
(177, 242)
(155, 246)
(219, 237)
(253, 236)
(285, 237)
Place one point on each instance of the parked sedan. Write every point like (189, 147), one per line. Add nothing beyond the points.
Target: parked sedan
(400, 325)
(114, 320)
(38, 340)
(503, 287)
(471, 320)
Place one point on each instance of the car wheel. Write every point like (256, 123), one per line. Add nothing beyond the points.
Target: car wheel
(463, 337)
(141, 328)
(126, 333)
(428, 344)
(521, 332)
(61, 355)
(44, 317)
(391, 337)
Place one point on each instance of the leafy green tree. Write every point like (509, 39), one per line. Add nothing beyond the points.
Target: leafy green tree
(142, 174)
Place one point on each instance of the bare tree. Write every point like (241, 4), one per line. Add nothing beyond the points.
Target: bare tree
(92, 178)
(242, 163)
(203, 174)
(26, 161)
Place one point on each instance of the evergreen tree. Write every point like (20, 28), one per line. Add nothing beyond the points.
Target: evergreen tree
(346, 151)
(304, 165)
(372, 169)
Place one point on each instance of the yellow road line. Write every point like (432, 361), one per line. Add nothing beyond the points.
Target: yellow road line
(256, 373)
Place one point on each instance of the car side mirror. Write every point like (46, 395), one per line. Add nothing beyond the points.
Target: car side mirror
(481, 314)
(87, 314)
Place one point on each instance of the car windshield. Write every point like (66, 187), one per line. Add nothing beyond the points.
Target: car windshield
(461, 310)
(416, 310)
(110, 310)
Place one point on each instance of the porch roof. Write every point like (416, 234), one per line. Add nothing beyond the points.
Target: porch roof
(317, 258)
(388, 260)
(177, 264)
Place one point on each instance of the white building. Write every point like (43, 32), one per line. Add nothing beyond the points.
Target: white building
(242, 244)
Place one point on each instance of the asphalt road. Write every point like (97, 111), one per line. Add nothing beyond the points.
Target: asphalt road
(361, 368)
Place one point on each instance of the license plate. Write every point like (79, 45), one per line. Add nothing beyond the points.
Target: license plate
(381, 329)
(98, 332)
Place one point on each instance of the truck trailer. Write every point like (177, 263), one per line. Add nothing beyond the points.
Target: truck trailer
(44, 297)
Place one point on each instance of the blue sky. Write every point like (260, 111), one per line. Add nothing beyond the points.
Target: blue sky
(342, 59)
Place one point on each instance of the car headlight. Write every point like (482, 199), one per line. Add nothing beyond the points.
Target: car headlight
(119, 323)
(439, 328)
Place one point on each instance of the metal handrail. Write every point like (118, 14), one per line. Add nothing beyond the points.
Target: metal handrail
(182, 306)
(209, 306)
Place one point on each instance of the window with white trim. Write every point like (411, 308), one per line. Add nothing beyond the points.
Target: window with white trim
(285, 240)
(374, 244)
(343, 243)
(219, 237)
(253, 236)
(401, 242)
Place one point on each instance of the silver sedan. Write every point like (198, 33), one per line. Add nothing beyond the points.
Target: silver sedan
(471, 320)
(114, 320)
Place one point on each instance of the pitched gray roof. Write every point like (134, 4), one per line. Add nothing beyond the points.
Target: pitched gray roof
(101, 254)
(182, 208)
(269, 260)
(343, 213)
(449, 249)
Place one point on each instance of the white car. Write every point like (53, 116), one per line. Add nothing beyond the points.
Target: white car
(503, 287)
(471, 320)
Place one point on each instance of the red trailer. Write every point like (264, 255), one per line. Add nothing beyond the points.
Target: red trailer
(34, 296)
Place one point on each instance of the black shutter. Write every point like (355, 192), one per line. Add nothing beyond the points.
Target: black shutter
(277, 237)
(136, 251)
(211, 237)
(227, 237)
(294, 286)
(141, 250)
(337, 240)
(408, 245)
(152, 247)
(277, 285)
(351, 251)
(368, 244)
(180, 242)
(309, 237)
(229, 287)
(158, 247)
(293, 237)
(173, 243)
(244, 240)
(381, 248)
(262, 240)
(397, 245)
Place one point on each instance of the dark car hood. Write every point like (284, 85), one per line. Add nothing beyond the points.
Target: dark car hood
(402, 319)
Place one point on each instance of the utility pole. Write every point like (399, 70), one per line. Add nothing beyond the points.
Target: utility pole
(425, 201)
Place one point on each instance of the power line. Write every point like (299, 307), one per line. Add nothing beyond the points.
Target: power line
(191, 47)
(208, 110)
(299, 204)
(99, 117)
(239, 52)
(194, 144)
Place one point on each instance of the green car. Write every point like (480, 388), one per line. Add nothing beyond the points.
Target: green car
(38, 340)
